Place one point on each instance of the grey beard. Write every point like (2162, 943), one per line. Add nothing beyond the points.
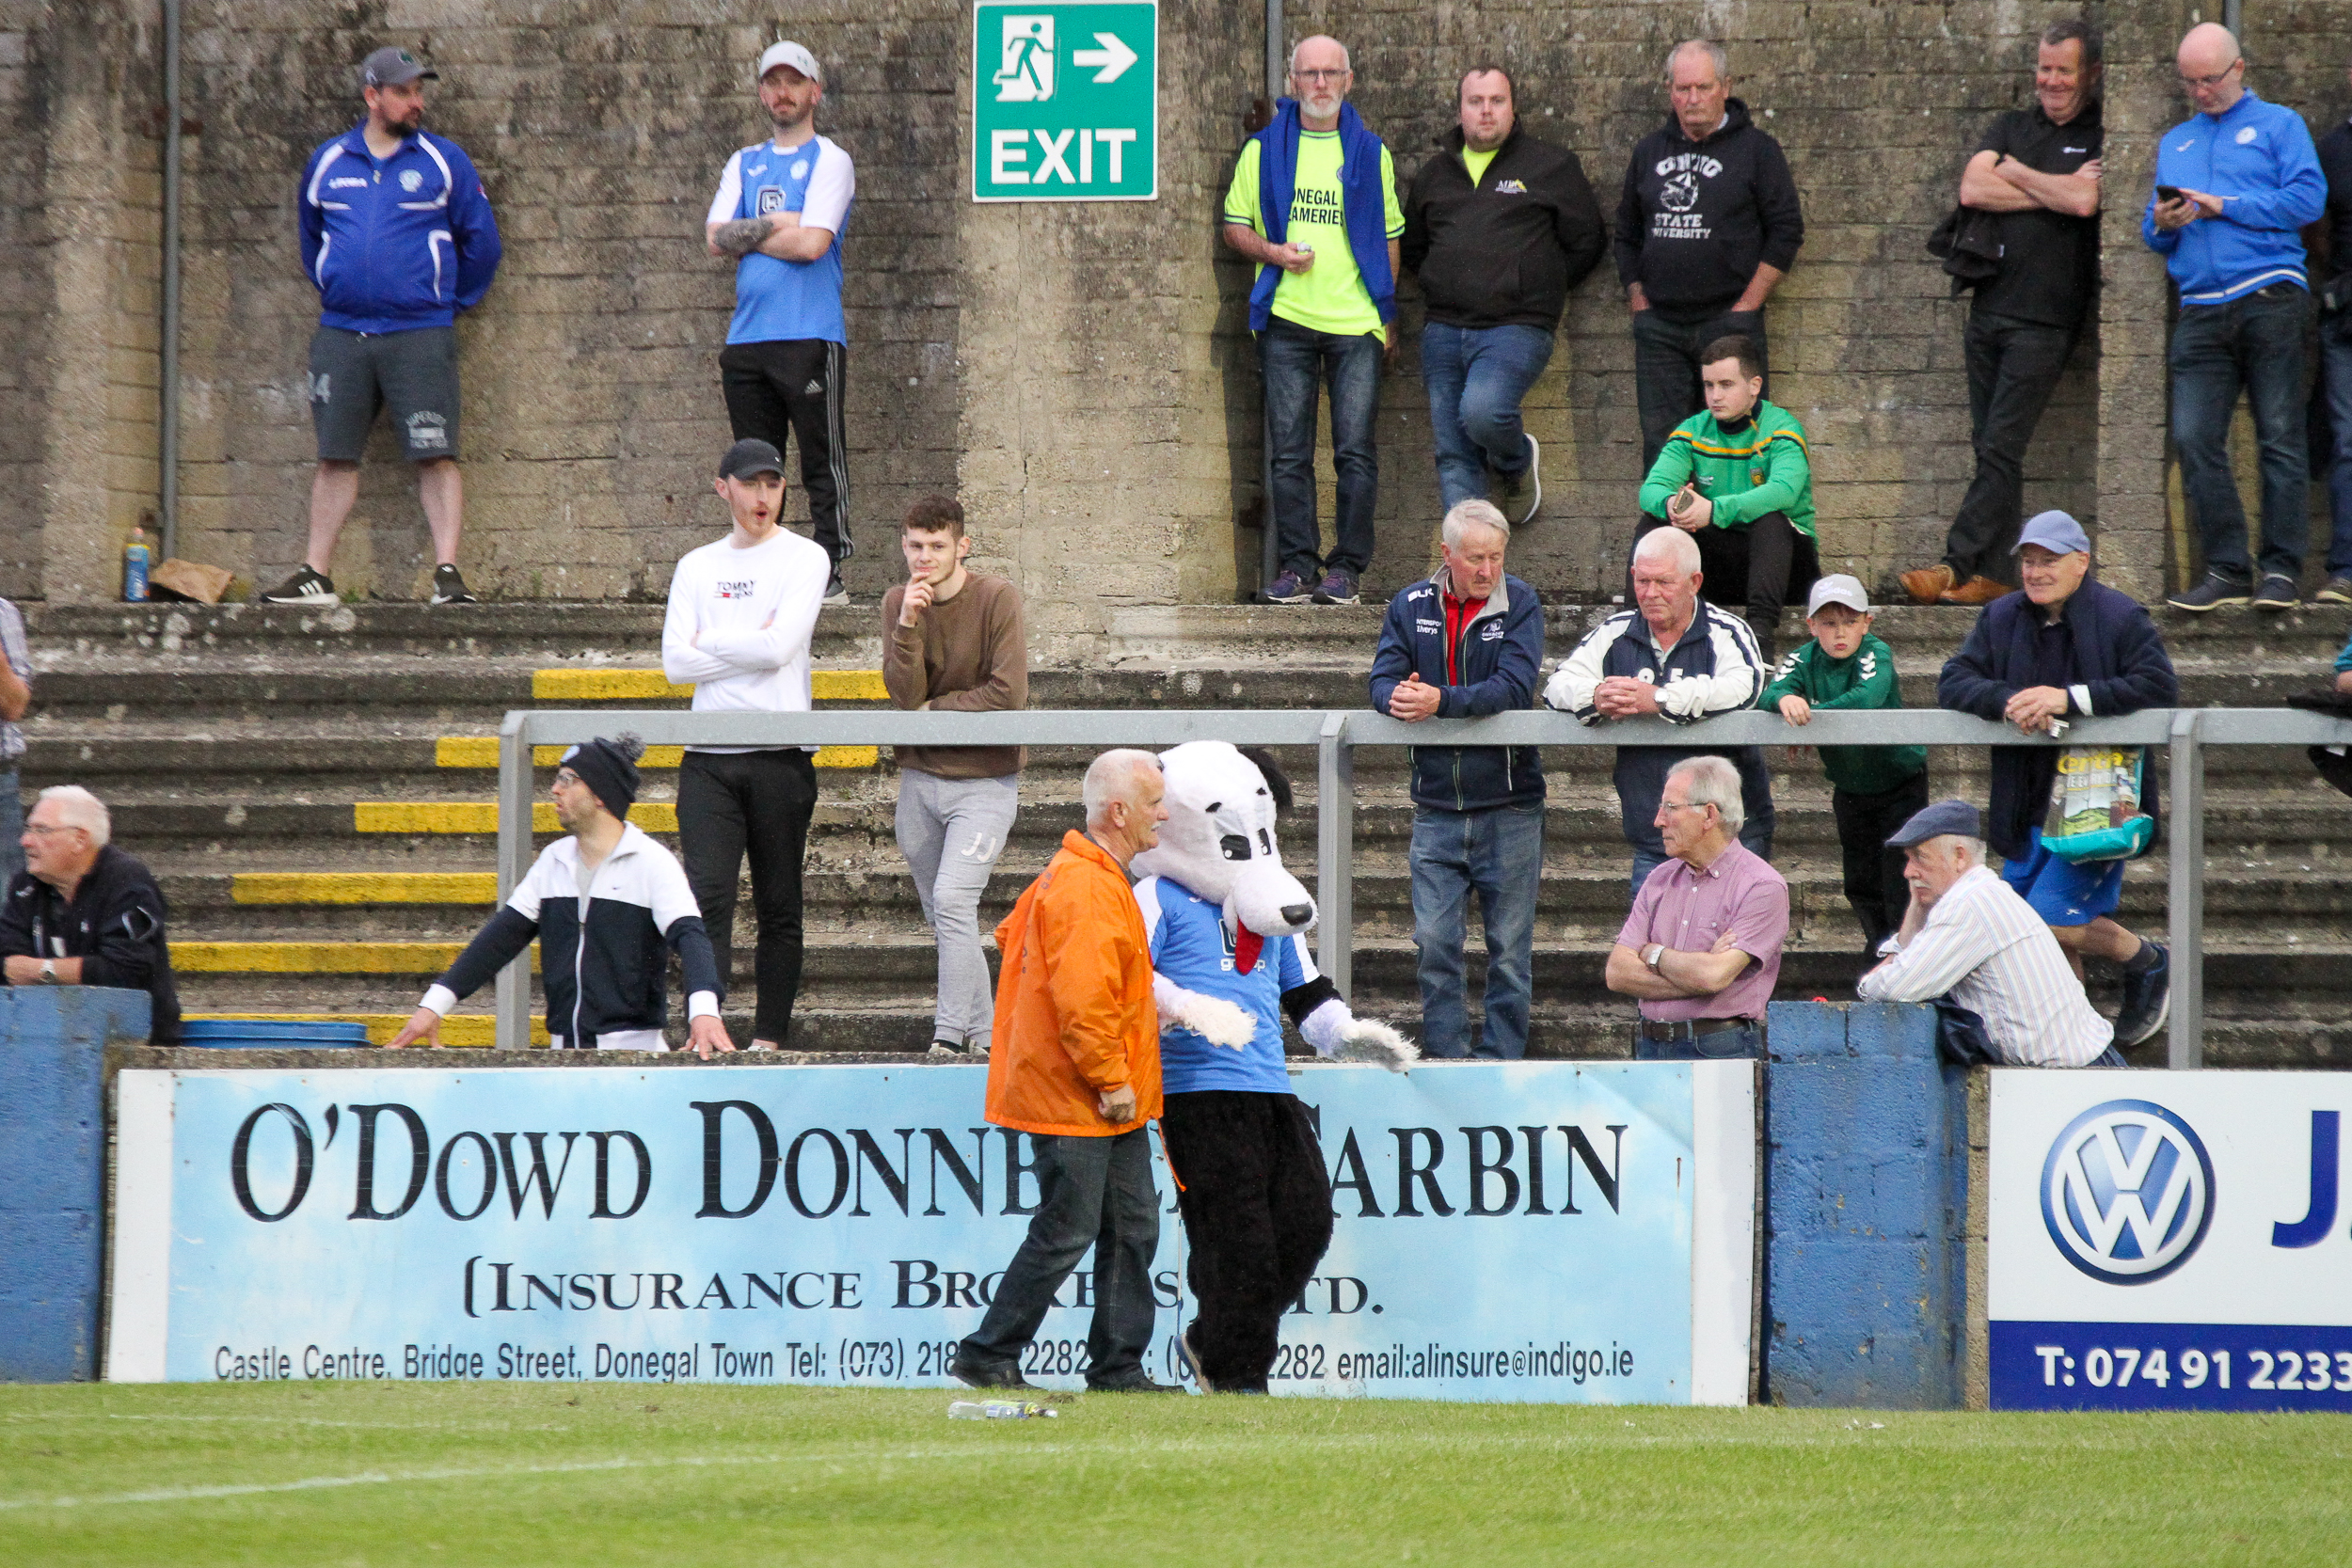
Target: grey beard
(742, 236)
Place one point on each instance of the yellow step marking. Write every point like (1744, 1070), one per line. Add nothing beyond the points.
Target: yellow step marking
(316, 958)
(482, 817)
(364, 887)
(619, 685)
(482, 750)
(466, 1029)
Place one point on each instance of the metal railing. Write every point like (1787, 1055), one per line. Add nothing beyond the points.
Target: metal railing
(1335, 734)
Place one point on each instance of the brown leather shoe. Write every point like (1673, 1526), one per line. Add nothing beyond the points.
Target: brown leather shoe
(1976, 590)
(1929, 583)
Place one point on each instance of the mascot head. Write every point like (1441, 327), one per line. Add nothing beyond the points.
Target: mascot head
(1219, 841)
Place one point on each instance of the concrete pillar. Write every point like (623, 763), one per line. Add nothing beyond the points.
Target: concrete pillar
(53, 1172)
(1867, 1179)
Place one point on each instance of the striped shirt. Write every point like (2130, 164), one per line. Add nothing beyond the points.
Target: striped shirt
(1984, 945)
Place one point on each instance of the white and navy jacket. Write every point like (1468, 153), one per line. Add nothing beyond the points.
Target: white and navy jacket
(602, 958)
(1713, 668)
(396, 244)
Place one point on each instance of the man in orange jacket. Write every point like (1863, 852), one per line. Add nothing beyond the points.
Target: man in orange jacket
(1076, 1065)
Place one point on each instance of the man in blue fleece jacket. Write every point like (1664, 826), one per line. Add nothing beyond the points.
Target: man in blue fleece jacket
(2234, 185)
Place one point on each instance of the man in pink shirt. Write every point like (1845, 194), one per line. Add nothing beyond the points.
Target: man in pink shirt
(1702, 947)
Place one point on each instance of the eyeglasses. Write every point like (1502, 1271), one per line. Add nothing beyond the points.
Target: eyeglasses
(45, 829)
(1298, 76)
(2205, 84)
(565, 778)
(1684, 805)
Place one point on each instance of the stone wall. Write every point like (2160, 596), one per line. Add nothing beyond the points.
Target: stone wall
(1079, 373)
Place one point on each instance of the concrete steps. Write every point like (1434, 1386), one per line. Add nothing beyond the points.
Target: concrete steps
(314, 787)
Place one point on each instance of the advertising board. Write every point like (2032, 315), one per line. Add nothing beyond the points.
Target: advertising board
(1534, 1232)
(2165, 1241)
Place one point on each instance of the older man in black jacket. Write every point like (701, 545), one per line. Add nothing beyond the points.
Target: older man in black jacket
(84, 913)
(2065, 648)
(1500, 227)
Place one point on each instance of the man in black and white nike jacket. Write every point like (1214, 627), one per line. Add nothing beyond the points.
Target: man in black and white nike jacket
(607, 905)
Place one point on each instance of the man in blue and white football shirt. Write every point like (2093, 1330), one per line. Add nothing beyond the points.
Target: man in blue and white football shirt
(780, 212)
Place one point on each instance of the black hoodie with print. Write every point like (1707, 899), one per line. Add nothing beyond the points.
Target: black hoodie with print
(1697, 218)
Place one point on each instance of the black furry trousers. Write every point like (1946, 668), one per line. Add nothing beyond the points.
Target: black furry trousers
(1257, 1207)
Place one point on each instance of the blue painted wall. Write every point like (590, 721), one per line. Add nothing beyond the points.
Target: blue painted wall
(1866, 1202)
(52, 1173)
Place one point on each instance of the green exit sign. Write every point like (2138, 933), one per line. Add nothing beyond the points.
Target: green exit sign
(1066, 101)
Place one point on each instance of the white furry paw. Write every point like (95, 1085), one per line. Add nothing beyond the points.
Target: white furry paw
(1213, 1018)
(1370, 1040)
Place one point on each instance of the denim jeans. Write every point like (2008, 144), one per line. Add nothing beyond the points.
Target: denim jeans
(1723, 1045)
(2013, 368)
(1299, 363)
(2335, 347)
(1091, 1193)
(1476, 376)
(1499, 853)
(1667, 369)
(2254, 343)
(11, 825)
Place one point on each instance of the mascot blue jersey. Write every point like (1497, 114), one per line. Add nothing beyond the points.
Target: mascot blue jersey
(1189, 946)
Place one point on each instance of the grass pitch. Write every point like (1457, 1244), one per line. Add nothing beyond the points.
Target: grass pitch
(527, 1474)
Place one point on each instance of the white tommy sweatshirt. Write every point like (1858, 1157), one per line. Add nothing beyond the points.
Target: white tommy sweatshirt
(739, 625)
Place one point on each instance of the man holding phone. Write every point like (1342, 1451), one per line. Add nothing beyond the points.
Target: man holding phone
(952, 642)
(2234, 186)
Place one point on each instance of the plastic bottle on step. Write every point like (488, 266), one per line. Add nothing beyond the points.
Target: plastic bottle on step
(136, 556)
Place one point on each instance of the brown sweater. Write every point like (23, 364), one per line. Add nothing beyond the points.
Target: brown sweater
(966, 656)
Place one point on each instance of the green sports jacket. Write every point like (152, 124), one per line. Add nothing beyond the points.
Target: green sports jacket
(1761, 466)
(1865, 680)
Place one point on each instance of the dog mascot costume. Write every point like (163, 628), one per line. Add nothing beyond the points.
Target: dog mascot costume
(1229, 950)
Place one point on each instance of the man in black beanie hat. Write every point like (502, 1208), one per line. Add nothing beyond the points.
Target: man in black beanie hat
(607, 905)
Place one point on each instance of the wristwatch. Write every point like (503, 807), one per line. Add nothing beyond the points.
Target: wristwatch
(1653, 955)
(48, 971)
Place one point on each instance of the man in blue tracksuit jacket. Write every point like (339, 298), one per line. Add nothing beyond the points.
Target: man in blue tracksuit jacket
(1465, 643)
(397, 237)
(2234, 185)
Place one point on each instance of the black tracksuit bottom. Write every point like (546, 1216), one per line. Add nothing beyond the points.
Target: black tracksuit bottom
(1257, 1209)
(756, 804)
(1874, 885)
(792, 389)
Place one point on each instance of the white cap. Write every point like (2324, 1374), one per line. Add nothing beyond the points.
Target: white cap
(788, 52)
(1838, 587)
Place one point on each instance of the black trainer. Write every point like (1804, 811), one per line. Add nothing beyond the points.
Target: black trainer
(2147, 1001)
(2212, 593)
(2277, 592)
(1287, 588)
(835, 592)
(1141, 1386)
(2338, 590)
(448, 586)
(1338, 587)
(973, 1372)
(304, 587)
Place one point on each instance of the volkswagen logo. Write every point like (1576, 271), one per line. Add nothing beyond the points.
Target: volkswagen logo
(2128, 1192)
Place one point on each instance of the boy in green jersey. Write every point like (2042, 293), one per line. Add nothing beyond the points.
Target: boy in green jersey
(1874, 789)
(1739, 479)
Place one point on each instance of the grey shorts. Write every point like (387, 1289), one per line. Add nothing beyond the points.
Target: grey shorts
(414, 373)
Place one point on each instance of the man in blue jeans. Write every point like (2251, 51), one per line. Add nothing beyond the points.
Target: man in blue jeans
(1314, 203)
(1500, 227)
(2334, 248)
(2234, 185)
(1465, 643)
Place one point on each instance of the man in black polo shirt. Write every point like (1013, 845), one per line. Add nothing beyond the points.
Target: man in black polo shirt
(2038, 172)
(1500, 227)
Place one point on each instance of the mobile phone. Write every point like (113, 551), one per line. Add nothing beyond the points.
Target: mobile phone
(2168, 192)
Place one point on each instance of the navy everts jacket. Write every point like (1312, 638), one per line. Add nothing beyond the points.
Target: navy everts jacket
(2105, 651)
(1502, 649)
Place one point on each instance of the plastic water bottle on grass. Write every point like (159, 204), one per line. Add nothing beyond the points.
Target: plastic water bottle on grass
(998, 1410)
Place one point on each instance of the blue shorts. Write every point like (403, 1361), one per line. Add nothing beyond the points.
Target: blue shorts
(2064, 894)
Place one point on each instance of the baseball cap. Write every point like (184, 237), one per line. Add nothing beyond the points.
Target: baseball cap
(391, 65)
(1957, 818)
(2054, 532)
(793, 55)
(1838, 587)
(750, 456)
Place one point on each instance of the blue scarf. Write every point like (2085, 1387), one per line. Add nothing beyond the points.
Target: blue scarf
(1360, 198)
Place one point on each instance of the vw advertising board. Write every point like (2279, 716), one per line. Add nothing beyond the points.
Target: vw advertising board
(1521, 1231)
(2167, 1240)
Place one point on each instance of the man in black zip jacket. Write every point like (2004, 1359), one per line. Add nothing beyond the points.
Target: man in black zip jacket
(84, 913)
(1708, 224)
(1500, 227)
(608, 906)
(1464, 643)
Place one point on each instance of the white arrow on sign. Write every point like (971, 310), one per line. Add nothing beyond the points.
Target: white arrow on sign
(1114, 57)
